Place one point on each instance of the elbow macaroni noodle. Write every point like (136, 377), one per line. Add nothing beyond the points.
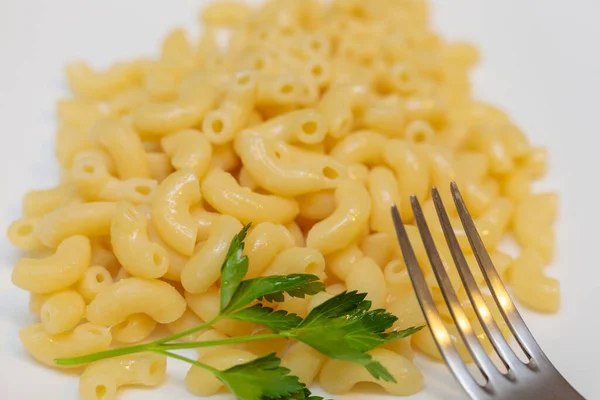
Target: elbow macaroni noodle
(310, 123)
(102, 379)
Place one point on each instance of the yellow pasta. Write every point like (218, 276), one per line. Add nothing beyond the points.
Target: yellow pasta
(310, 121)
(132, 247)
(124, 146)
(90, 219)
(45, 347)
(225, 194)
(171, 210)
(56, 272)
(338, 230)
(128, 296)
(188, 149)
(204, 267)
(102, 379)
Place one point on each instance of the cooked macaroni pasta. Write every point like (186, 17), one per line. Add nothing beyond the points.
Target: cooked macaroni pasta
(309, 121)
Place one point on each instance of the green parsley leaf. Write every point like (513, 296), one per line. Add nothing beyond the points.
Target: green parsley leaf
(275, 320)
(395, 335)
(261, 378)
(234, 267)
(345, 329)
(303, 395)
(272, 288)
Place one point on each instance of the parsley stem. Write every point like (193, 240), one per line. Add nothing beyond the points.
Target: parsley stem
(186, 333)
(133, 349)
(187, 360)
(103, 354)
(208, 343)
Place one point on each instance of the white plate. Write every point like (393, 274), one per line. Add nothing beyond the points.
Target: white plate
(541, 64)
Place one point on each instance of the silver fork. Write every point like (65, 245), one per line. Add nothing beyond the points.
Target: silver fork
(535, 379)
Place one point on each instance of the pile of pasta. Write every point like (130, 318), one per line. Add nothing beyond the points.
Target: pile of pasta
(309, 120)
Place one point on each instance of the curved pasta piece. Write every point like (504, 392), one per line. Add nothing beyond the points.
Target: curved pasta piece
(387, 116)
(62, 311)
(384, 192)
(317, 205)
(44, 347)
(70, 140)
(160, 166)
(22, 234)
(278, 91)
(338, 105)
(350, 218)
(297, 260)
(294, 229)
(127, 101)
(262, 245)
(358, 172)
(133, 329)
(379, 247)
(225, 194)
(171, 210)
(302, 126)
(89, 219)
(102, 84)
(341, 262)
(366, 277)
(408, 311)
(304, 362)
(187, 111)
(397, 278)
(102, 379)
(36, 301)
(124, 146)
(95, 279)
(56, 272)
(37, 203)
(408, 378)
(412, 171)
(361, 147)
(81, 113)
(188, 149)
(103, 255)
(531, 286)
(222, 125)
(246, 180)
(265, 161)
(226, 14)
(176, 260)
(224, 157)
(155, 298)
(187, 321)
(533, 221)
(204, 383)
(204, 268)
(92, 177)
(517, 185)
(479, 195)
(132, 247)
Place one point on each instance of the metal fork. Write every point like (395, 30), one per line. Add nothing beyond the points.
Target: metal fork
(535, 379)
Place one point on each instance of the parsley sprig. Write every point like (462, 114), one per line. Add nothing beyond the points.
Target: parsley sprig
(343, 327)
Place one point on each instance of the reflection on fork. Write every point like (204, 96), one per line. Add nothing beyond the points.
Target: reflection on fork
(536, 378)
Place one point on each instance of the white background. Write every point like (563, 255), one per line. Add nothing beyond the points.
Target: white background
(540, 62)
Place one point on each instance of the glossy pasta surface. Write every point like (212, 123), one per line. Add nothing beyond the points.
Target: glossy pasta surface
(310, 121)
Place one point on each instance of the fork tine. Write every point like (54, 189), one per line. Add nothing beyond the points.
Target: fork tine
(497, 289)
(432, 316)
(488, 323)
(461, 321)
